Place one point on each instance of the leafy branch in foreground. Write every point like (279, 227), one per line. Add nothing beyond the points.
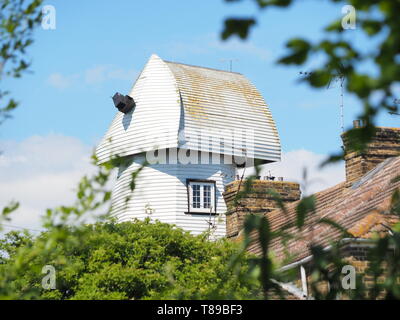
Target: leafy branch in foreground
(325, 269)
(59, 224)
(18, 19)
(378, 21)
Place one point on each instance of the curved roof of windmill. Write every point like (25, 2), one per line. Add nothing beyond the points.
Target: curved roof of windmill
(176, 102)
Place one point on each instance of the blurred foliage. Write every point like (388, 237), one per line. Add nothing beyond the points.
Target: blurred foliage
(147, 260)
(18, 19)
(130, 260)
(376, 19)
(325, 270)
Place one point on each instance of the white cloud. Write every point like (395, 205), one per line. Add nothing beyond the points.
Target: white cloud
(41, 172)
(292, 166)
(91, 76)
(59, 81)
(102, 73)
(95, 75)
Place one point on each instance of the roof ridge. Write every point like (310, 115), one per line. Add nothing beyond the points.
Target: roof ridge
(200, 67)
(371, 173)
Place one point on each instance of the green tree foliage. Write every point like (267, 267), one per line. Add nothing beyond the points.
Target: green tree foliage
(18, 19)
(131, 260)
(64, 225)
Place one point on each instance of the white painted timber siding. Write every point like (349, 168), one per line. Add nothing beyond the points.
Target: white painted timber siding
(175, 103)
(154, 123)
(162, 189)
(222, 174)
(171, 97)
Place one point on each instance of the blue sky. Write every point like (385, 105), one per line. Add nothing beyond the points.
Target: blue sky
(99, 47)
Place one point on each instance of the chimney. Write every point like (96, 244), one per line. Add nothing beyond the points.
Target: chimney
(258, 200)
(384, 144)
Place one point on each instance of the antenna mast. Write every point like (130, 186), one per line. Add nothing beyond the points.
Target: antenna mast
(230, 62)
(340, 77)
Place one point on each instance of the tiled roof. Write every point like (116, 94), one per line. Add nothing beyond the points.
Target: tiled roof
(362, 210)
(374, 223)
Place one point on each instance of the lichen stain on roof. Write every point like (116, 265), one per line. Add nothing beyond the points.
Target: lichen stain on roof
(373, 224)
(208, 93)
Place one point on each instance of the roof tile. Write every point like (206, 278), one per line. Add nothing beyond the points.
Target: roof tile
(363, 210)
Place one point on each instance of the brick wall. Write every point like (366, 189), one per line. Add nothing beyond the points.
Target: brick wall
(356, 255)
(258, 200)
(385, 144)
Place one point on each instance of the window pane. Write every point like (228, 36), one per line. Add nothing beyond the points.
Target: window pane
(196, 196)
(207, 196)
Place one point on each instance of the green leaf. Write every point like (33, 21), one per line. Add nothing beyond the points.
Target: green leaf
(396, 179)
(251, 223)
(239, 27)
(335, 225)
(319, 78)
(305, 206)
(361, 84)
(335, 26)
(10, 208)
(372, 27)
(299, 50)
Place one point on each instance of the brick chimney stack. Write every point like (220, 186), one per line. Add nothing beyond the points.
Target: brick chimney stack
(384, 144)
(258, 200)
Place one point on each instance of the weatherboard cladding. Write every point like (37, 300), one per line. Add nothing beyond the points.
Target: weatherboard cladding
(154, 123)
(162, 189)
(172, 99)
(171, 96)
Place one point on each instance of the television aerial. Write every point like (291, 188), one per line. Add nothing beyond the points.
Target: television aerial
(230, 62)
(339, 78)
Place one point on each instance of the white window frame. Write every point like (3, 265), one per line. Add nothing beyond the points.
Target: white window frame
(201, 183)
